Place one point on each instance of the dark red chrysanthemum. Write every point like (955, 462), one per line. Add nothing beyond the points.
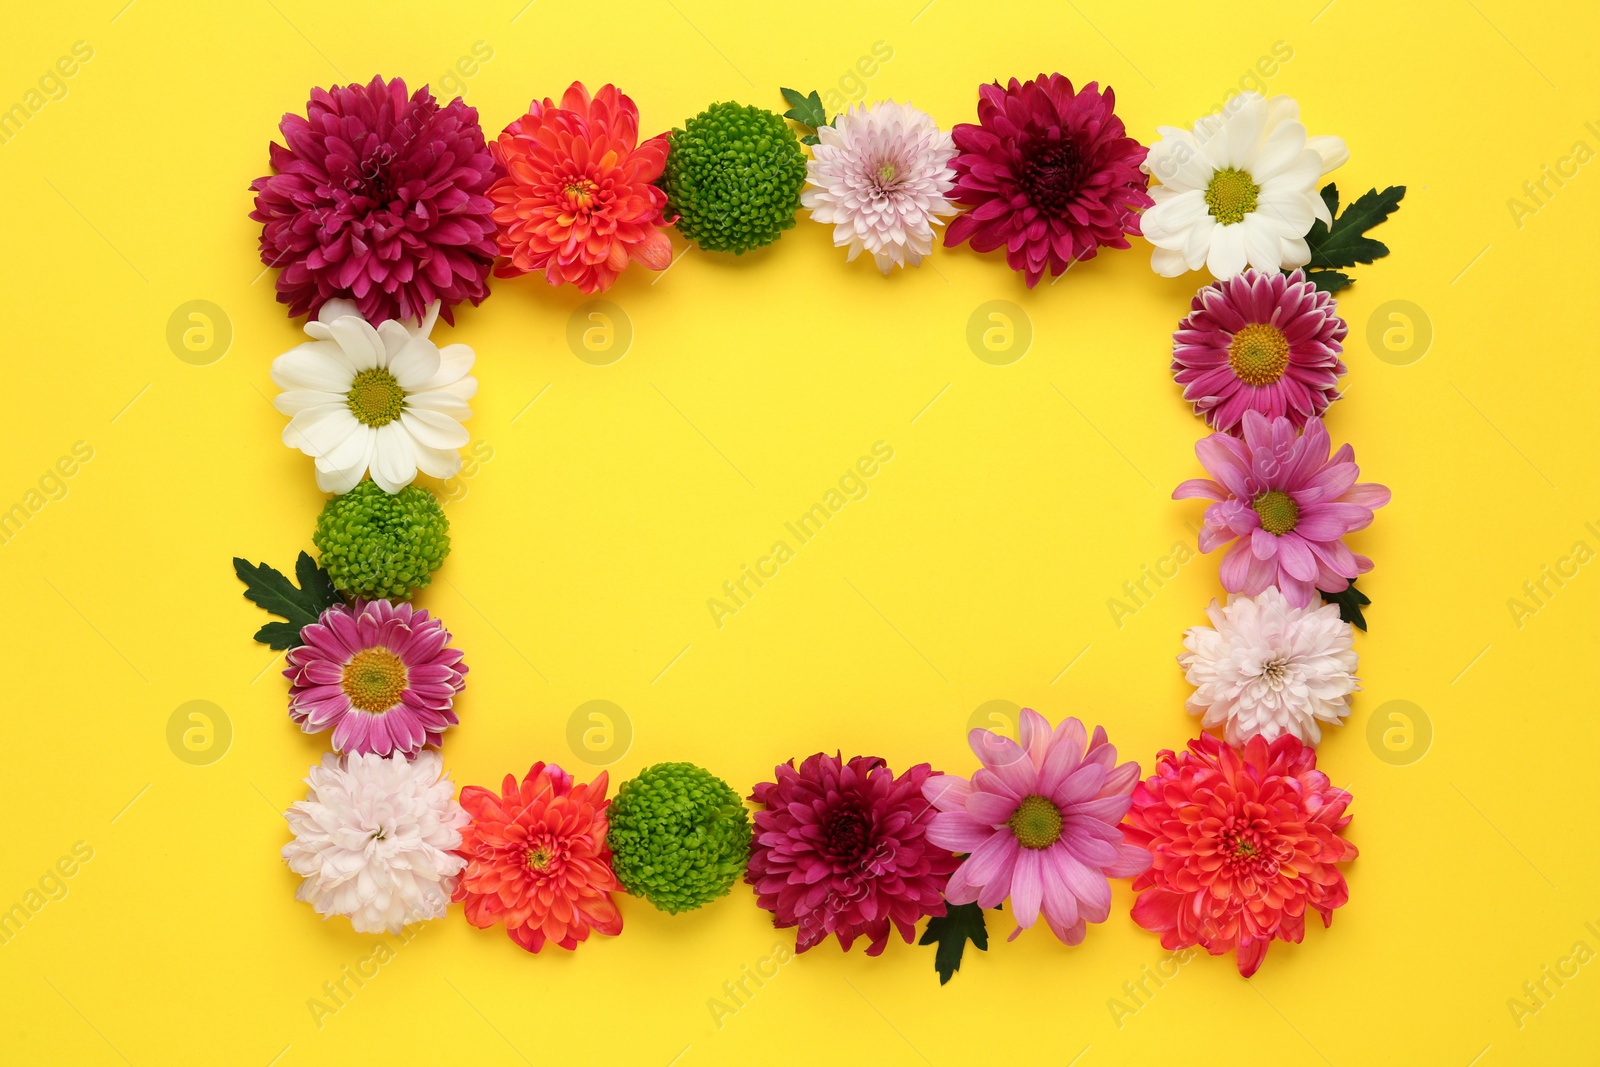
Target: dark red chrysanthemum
(1050, 175)
(380, 199)
(842, 849)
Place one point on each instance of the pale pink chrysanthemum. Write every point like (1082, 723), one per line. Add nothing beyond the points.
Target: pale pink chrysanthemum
(1285, 505)
(881, 175)
(1265, 667)
(379, 674)
(1040, 821)
(1259, 341)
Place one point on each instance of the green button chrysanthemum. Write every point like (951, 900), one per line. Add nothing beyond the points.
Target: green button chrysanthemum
(374, 544)
(679, 836)
(733, 177)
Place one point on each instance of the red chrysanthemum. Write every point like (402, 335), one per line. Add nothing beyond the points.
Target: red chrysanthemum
(1050, 175)
(378, 198)
(842, 849)
(1242, 843)
(537, 859)
(576, 199)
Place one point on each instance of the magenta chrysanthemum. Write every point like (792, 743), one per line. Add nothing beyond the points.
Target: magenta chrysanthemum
(1040, 821)
(379, 674)
(1285, 505)
(842, 849)
(1050, 175)
(1259, 341)
(379, 198)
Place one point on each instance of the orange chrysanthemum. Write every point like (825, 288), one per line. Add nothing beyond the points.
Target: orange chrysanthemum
(537, 859)
(576, 199)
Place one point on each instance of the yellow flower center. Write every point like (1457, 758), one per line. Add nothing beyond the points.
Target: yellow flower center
(1259, 354)
(1231, 195)
(539, 858)
(375, 398)
(374, 679)
(580, 192)
(1278, 511)
(1036, 822)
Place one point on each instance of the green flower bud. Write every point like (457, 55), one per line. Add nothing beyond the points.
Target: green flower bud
(376, 545)
(733, 177)
(679, 836)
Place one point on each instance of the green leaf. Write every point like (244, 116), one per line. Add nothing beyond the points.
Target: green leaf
(1329, 281)
(1350, 603)
(300, 605)
(951, 931)
(1344, 244)
(806, 110)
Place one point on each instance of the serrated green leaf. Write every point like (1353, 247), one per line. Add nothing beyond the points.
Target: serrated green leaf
(806, 110)
(951, 931)
(1329, 281)
(268, 588)
(1350, 602)
(1344, 244)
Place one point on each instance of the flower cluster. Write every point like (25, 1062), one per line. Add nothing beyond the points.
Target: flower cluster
(384, 210)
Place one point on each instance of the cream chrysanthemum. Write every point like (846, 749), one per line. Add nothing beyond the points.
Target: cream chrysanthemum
(375, 839)
(881, 176)
(1266, 667)
(387, 399)
(1238, 190)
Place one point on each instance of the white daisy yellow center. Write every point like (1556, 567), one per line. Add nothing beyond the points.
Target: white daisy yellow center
(1231, 195)
(375, 397)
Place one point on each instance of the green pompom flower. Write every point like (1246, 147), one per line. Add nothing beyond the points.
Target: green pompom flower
(679, 836)
(733, 177)
(376, 545)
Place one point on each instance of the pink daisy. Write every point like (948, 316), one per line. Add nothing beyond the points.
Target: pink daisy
(1259, 341)
(1050, 174)
(379, 674)
(1040, 820)
(1285, 505)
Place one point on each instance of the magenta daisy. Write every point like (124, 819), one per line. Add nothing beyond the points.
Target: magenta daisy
(1049, 173)
(843, 849)
(1040, 820)
(379, 674)
(1285, 505)
(379, 198)
(1259, 341)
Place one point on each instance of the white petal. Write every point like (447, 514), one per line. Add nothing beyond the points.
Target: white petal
(337, 308)
(1331, 149)
(415, 364)
(314, 365)
(344, 479)
(1243, 132)
(444, 401)
(1280, 148)
(394, 462)
(297, 400)
(321, 430)
(1262, 246)
(1167, 263)
(454, 363)
(1168, 223)
(1227, 255)
(359, 341)
(425, 327)
(432, 429)
(438, 463)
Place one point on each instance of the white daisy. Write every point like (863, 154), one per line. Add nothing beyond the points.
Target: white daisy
(375, 839)
(881, 176)
(1238, 190)
(1267, 667)
(386, 400)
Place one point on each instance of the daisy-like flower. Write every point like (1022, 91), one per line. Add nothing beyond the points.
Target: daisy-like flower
(1238, 190)
(1265, 667)
(386, 400)
(842, 848)
(375, 839)
(1244, 843)
(1050, 174)
(378, 198)
(379, 675)
(881, 176)
(1285, 506)
(1259, 342)
(1040, 820)
(537, 859)
(576, 199)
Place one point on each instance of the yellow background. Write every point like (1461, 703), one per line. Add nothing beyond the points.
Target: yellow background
(978, 567)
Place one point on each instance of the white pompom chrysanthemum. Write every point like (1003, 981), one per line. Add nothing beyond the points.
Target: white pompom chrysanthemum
(881, 176)
(1266, 667)
(374, 840)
